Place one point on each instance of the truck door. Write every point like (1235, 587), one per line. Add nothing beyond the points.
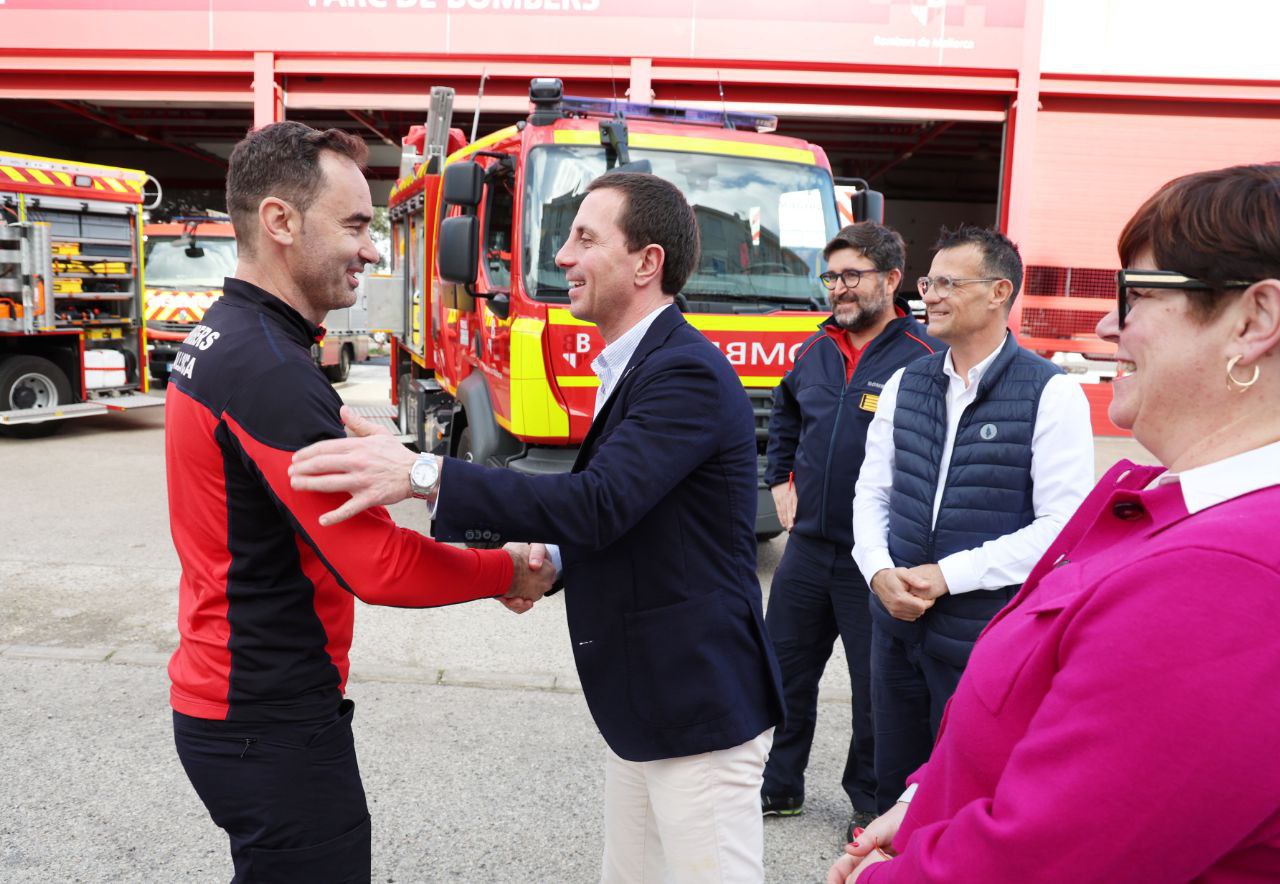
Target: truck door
(494, 283)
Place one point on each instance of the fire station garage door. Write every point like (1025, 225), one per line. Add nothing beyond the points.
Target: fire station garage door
(1097, 160)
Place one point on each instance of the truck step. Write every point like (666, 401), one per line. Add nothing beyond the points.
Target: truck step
(130, 401)
(375, 411)
(58, 412)
(385, 417)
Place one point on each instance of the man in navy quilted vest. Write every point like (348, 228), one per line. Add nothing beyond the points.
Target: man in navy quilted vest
(821, 412)
(975, 459)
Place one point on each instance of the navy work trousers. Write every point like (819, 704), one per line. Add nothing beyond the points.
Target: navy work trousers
(288, 795)
(909, 692)
(817, 594)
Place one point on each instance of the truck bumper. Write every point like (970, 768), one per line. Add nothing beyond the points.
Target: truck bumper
(550, 461)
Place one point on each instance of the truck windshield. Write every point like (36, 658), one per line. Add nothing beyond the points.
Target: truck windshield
(763, 224)
(169, 266)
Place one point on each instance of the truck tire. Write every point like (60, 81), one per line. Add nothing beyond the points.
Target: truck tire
(33, 382)
(342, 370)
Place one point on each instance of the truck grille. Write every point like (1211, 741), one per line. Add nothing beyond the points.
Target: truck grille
(179, 327)
(761, 407)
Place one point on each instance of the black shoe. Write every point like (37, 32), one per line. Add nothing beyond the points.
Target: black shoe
(861, 819)
(781, 806)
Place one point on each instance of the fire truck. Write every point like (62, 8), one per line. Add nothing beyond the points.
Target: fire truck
(71, 281)
(488, 364)
(187, 260)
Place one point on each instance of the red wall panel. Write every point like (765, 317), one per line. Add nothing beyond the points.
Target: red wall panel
(1097, 160)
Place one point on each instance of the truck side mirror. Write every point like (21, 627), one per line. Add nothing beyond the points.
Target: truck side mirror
(464, 184)
(867, 204)
(459, 250)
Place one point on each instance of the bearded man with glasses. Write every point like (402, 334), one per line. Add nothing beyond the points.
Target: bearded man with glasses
(975, 460)
(821, 411)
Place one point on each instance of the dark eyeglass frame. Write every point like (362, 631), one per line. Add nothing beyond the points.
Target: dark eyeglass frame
(1164, 279)
(828, 279)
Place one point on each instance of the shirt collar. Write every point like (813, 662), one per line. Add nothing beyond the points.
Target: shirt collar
(1229, 478)
(614, 358)
(975, 373)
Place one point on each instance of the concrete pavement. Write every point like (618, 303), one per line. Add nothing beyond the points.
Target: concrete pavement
(479, 756)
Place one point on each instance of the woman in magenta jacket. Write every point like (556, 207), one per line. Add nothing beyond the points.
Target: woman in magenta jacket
(1119, 720)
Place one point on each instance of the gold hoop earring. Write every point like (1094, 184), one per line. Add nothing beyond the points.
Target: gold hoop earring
(1237, 386)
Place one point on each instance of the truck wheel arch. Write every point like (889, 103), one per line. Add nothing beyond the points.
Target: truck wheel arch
(487, 439)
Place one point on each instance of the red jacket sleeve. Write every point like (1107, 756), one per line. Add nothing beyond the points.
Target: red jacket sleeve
(369, 555)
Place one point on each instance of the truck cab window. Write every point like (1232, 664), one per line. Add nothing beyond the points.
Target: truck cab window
(498, 209)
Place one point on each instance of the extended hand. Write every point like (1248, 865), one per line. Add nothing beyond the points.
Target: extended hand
(784, 501)
(890, 586)
(531, 576)
(370, 465)
(926, 582)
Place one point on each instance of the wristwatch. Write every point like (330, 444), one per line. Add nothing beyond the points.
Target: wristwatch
(424, 476)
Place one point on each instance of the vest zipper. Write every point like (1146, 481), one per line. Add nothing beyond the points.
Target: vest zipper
(831, 443)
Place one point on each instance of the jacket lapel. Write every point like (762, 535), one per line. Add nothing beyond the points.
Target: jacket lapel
(666, 323)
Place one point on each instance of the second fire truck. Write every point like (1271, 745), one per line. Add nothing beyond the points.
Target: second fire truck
(71, 324)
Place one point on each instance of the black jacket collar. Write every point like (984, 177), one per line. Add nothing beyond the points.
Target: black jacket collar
(237, 292)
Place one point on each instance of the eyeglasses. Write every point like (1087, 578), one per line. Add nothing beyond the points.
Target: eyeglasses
(851, 278)
(943, 286)
(1127, 280)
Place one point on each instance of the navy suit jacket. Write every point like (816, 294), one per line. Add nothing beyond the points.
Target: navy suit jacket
(656, 527)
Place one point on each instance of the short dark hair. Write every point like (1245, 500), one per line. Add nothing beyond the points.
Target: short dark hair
(281, 160)
(1214, 226)
(882, 246)
(999, 255)
(655, 212)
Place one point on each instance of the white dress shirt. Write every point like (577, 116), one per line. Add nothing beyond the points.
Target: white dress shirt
(1061, 475)
(609, 366)
(1227, 479)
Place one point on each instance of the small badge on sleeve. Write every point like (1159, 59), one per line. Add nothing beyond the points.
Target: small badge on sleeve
(869, 402)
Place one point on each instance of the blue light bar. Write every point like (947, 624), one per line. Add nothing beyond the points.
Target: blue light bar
(698, 116)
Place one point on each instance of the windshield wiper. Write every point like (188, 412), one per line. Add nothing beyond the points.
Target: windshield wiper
(799, 301)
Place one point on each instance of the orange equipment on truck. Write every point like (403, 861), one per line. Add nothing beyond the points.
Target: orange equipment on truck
(488, 364)
(71, 327)
(187, 260)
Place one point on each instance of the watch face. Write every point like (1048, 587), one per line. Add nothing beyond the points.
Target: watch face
(424, 472)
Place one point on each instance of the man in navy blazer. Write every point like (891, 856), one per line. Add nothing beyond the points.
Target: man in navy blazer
(656, 545)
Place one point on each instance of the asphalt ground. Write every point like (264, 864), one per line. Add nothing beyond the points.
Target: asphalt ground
(478, 754)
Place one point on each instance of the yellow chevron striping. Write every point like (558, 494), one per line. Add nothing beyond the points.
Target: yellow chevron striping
(688, 144)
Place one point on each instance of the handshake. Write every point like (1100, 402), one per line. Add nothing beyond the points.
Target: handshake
(531, 577)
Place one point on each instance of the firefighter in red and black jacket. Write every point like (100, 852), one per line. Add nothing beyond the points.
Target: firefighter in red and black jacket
(266, 599)
(817, 434)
